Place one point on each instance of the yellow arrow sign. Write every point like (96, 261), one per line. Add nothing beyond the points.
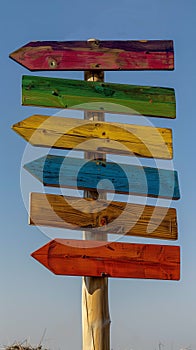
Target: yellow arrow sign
(96, 136)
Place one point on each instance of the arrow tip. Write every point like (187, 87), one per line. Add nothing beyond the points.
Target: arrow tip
(21, 131)
(41, 255)
(12, 55)
(19, 56)
(36, 168)
(16, 126)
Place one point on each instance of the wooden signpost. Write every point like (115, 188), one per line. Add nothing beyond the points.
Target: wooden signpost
(94, 257)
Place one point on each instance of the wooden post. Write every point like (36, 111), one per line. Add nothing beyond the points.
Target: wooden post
(95, 307)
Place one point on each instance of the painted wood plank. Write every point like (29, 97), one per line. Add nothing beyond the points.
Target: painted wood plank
(113, 259)
(108, 97)
(103, 216)
(96, 136)
(96, 55)
(58, 171)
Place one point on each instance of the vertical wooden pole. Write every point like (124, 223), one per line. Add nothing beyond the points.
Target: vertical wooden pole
(95, 307)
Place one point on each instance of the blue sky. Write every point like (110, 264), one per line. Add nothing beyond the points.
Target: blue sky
(31, 298)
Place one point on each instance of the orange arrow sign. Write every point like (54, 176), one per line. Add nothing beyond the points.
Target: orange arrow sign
(113, 259)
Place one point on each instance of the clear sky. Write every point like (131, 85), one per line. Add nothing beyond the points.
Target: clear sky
(143, 313)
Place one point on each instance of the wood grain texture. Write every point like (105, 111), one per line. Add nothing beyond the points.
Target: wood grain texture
(96, 136)
(92, 95)
(57, 171)
(114, 259)
(98, 216)
(95, 301)
(98, 55)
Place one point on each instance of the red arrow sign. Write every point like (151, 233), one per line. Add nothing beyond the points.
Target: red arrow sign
(113, 259)
(96, 55)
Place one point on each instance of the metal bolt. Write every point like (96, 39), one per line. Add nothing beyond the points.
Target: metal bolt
(52, 63)
(93, 41)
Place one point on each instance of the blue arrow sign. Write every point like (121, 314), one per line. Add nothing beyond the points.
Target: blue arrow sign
(58, 171)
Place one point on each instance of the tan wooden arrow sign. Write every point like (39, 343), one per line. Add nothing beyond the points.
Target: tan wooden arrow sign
(103, 216)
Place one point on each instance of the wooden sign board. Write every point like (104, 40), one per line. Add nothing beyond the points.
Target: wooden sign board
(114, 259)
(116, 138)
(107, 97)
(109, 217)
(57, 171)
(96, 55)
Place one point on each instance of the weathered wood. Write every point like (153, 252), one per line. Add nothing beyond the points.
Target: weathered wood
(113, 259)
(99, 216)
(92, 95)
(102, 137)
(96, 55)
(57, 171)
(95, 301)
